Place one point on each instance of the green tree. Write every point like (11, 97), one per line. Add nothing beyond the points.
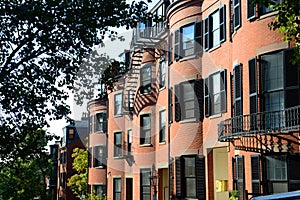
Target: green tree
(25, 176)
(42, 44)
(79, 181)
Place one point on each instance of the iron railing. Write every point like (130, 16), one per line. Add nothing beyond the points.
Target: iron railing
(282, 121)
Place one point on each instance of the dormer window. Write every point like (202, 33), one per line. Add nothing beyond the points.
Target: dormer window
(71, 133)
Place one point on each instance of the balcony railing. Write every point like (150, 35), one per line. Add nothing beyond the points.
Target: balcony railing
(282, 121)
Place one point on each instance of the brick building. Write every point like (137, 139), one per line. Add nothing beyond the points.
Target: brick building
(210, 105)
(74, 136)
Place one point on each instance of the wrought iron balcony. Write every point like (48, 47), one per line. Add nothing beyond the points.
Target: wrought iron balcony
(282, 121)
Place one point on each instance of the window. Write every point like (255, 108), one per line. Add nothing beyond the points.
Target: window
(162, 126)
(236, 14)
(118, 144)
(188, 40)
(215, 93)
(117, 188)
(145, 184)
(277, 173)
(190, 177)
(129, 141)
(118, 104)
(266, 9)
(251, 9)
(71, 133)
(146, 79)
(215, 28)
(240, 176)
(188, 100)
(145, 129)
(99, 156)
(99, 190)
(162, 74)
(100, 122)
(273, 81)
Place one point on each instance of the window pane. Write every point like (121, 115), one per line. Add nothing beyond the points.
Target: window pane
(118, 104)
(189, 167)
(162, 71)
(162, 126)
(216, 83)
(118, 138)
(191, 187)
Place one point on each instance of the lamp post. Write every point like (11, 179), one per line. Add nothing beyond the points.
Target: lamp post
(154, 178)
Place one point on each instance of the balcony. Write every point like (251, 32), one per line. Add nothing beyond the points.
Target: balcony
(264, 123)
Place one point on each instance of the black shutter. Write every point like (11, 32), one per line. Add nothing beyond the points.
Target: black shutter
(253, 93)
(223, 85)
(198, 38)
(236, 14)
(240, 176)
(170, 106)
(91, 124)
(170, 53)
(255, 174)
(104, 156)
(291, 80)
(251, 9)
(96, 123)
(206, 33)
(199, 95)
(207, 98)
(177, 45)
(210, 33)
(95, 155)
(233, 165)
(104, 115)
(293, 172)
(178, 176)
(238, 92)
(177, 102)
(222, 23)
(90, 157)
(171, 178)
(200, 177)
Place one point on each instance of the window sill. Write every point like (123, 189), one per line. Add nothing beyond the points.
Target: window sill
(215, 116)
(214, 48)
(99, 132)
(146, 145)
(162, 88)
(162, 143)
(118, 115)
(266, 15)
(99, 167)
(192, 120)
(187, 58)
(118, 157)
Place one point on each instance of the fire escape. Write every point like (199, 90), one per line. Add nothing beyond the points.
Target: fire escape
(276, 131)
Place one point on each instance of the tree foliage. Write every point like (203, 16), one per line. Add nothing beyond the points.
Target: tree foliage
(42, 44)
(25, 176)
(79, 181)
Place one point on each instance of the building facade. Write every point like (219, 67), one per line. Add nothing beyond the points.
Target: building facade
(74, 136)
(210, 105)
